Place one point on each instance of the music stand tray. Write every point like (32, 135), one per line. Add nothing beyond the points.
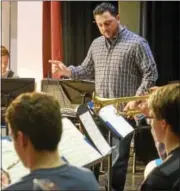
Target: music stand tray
(75, 90)
(12, 87)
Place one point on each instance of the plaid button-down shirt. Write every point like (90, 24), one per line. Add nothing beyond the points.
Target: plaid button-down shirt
(123, 67)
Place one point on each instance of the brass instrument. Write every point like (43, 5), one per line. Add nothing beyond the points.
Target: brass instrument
(102, 102)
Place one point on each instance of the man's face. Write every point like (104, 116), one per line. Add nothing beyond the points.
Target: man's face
(4, 63)
(158, 128)
(107, 24)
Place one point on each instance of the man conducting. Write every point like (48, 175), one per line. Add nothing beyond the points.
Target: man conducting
(122, 64)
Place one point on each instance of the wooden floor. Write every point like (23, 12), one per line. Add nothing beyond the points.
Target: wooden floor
(133, 181)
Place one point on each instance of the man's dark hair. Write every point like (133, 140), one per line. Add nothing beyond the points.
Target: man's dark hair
(103, 7)
(165, 104)
(38, 116)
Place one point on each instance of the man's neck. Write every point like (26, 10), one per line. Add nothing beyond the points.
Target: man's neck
(118, 30)
(117, 33)
(172, 143)
(46, 160)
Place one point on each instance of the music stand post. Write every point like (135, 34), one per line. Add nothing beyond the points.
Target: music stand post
(110, 163)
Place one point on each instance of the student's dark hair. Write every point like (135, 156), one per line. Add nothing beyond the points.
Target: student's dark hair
(165, 104)
(4, 51)
(103, 7)
(36, 115)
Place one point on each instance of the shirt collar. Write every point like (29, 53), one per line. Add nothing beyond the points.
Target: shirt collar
(112, 42)
(177, 149)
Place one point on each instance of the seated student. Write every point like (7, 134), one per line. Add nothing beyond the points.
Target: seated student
(5, 71)
(143, 106)
(152, 164)
(34, 122)
(164, 112)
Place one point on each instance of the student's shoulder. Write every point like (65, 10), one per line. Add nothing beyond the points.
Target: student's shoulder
(11, 74)
(20, 185)
(155, 180)
(84, 175)
(80, 170)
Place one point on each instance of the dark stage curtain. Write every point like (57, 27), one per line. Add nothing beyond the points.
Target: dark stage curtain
(160, 26)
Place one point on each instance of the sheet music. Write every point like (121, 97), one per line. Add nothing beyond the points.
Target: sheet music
(121, 126)
(17, 172)
(10, 157)
(74, 146)
(95, 134)
(68, 112)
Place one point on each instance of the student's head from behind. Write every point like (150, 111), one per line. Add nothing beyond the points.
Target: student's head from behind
(107, 19)
(164, 105)
(4, 59)
(34, 122)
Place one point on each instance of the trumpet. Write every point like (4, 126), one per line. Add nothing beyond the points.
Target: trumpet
(100, 102)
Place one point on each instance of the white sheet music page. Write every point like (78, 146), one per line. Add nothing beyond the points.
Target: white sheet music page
(95, 134)
(9, 157)
(122, 127)
(74, 146)
(17, 172)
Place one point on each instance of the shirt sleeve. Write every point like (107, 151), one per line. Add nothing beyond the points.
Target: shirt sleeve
(86, 69)
(147, 66)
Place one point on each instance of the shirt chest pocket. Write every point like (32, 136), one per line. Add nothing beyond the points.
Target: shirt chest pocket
(124, 60)
(100, 60)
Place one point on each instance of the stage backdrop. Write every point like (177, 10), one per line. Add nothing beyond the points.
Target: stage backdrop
(52, 34)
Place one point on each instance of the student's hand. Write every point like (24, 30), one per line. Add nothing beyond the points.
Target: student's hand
(5, 179)
(59, 69)
(132, 105)
(154, 88)
(143, 107)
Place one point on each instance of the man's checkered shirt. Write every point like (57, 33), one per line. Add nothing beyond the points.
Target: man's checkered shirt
(123, 67)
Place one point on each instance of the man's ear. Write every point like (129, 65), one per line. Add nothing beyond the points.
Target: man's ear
(23, 139)
(164, 124)
(118, 17)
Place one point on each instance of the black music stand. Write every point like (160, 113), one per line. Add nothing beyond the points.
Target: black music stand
(77, 90)
(11, 88)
